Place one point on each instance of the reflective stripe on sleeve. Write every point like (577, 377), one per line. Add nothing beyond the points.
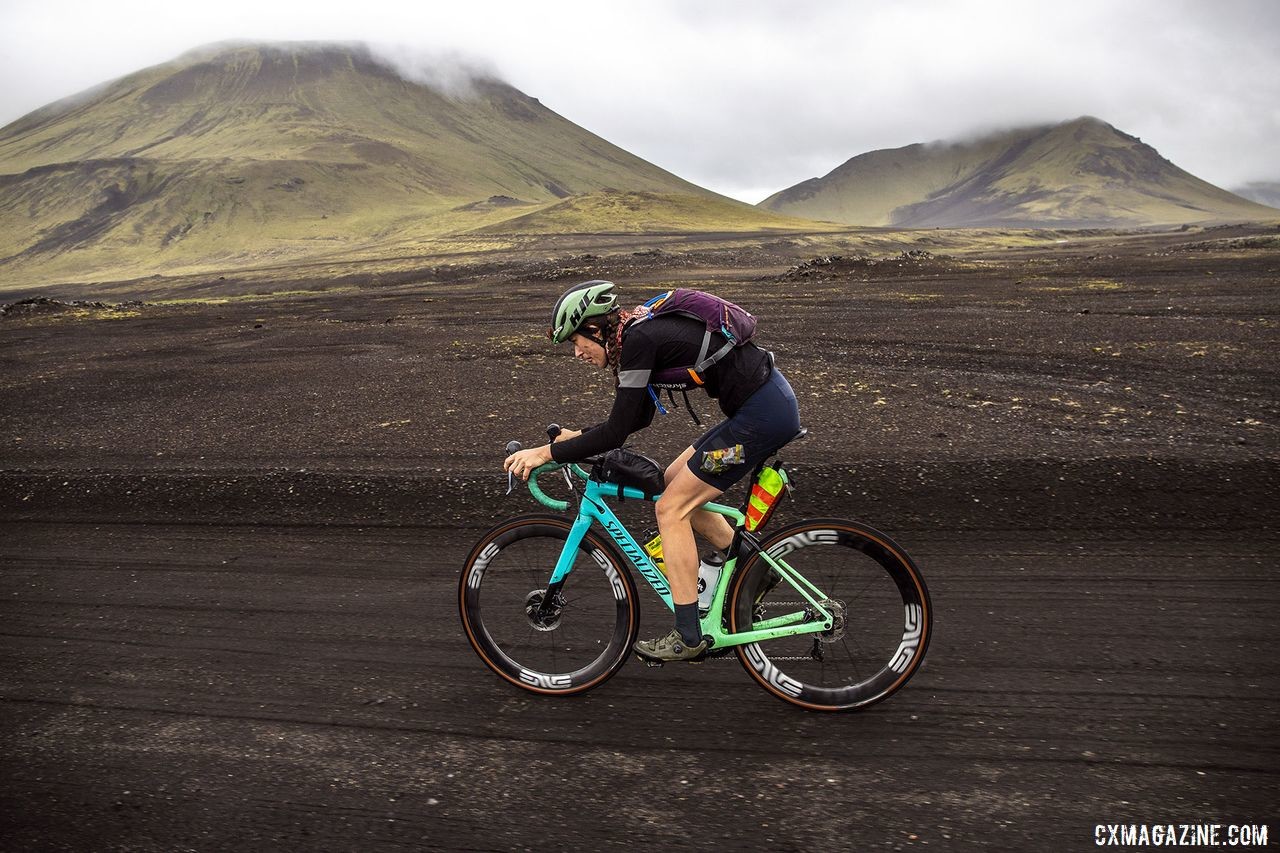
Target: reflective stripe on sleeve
(633, 378)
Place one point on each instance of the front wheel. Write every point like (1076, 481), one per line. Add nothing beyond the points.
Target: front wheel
(562, 641)
(881, 613)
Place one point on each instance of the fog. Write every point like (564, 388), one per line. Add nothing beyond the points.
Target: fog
(747, 98)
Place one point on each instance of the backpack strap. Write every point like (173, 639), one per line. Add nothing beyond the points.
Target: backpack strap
(671, 395)
(689, 406)
(704, 361)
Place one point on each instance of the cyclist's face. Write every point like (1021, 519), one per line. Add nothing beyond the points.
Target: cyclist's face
(588, 350)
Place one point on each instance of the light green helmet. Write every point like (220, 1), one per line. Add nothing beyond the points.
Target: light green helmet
(579, 304)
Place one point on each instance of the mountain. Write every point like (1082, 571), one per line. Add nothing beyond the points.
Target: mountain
(246, 154)
(615, 212)
(1263, 192)
(1079, 174)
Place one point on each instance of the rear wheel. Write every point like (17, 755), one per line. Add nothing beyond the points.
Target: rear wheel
(562, 641)
(881, 622)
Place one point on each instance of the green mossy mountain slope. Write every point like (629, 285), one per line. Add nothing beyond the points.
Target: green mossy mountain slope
(247, 154)
(1079, 174)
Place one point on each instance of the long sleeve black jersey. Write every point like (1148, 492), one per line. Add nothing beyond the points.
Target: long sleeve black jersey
(649, 346)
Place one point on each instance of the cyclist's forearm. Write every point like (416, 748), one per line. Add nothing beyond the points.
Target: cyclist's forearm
(590, 443)
(630, 407)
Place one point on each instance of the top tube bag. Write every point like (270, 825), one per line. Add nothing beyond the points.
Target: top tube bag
(628, 468)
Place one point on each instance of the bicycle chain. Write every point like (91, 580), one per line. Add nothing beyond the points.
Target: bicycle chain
(729, 657)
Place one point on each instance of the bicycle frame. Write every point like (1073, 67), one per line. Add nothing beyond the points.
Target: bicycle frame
(592, 508)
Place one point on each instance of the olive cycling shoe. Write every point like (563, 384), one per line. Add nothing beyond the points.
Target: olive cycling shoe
(672, 647)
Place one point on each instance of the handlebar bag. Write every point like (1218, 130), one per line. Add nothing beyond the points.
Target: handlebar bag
(628, 468)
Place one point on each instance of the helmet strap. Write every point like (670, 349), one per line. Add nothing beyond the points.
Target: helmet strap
(598, 332)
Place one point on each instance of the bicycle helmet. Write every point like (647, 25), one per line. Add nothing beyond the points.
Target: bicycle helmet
(579, 304)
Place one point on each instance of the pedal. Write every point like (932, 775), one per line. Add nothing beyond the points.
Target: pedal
(648, 662)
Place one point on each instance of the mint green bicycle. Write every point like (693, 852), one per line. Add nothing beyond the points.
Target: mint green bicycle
(827, 614)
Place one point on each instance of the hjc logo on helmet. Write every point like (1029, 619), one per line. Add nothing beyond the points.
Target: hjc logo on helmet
(576, 317)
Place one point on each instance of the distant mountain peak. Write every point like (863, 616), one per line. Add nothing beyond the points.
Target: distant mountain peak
(1085, 121)
(244, 152)
(335, 54)
(223, 50)
(1082, 173)
(270, 68)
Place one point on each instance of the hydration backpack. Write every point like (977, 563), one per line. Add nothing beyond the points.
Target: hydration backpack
(720, 317)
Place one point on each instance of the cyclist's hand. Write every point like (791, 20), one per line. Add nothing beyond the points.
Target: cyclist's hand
(568, 433)
(522, 462)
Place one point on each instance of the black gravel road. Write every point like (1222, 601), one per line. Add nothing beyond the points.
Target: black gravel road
(232, 520)
(184, 687)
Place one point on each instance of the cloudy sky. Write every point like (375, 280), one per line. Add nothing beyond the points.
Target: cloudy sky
(747, 97)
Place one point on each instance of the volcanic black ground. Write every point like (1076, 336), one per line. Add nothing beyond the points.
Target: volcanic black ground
(231, 531)
(214, 688)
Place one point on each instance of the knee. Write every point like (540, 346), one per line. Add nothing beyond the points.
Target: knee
(669, 512)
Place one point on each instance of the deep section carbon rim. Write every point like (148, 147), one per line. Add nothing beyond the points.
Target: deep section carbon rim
(881, 625)
(565, 642)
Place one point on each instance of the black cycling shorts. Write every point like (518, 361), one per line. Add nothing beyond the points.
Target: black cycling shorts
(731, 450)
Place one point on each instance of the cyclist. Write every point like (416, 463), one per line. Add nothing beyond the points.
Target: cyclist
(761, 412)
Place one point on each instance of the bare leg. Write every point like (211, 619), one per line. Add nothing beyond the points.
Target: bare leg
(684, 494)
(715, 528)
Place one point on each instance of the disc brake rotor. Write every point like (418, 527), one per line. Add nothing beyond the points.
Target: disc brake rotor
(548, 621)
(836, 609)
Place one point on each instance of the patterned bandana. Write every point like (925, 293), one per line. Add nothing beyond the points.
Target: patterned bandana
(613, 345)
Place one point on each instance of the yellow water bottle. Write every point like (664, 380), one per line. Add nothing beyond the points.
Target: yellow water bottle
(653, 547)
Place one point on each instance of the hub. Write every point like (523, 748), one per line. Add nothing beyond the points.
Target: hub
(541, 619)
(837, 611)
